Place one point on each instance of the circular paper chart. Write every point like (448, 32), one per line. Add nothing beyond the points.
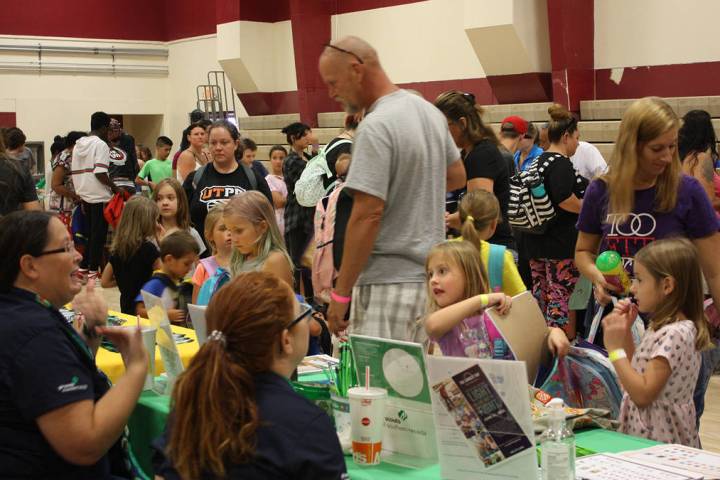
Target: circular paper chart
(402, 371)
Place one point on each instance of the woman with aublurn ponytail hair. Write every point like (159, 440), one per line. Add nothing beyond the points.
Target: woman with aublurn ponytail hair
(235, 415)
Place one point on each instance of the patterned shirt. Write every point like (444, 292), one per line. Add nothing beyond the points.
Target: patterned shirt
(296, 216)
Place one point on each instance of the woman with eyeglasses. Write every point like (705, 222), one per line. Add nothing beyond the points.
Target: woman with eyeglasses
(235, 413)
(59, 418)
(484, 165)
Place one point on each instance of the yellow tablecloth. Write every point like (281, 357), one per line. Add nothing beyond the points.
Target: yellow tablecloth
(111, 363)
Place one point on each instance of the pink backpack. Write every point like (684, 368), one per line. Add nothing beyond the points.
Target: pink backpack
(323, 268)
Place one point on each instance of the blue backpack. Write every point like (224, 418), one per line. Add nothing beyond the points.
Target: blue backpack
(496, 266)
(212, 285)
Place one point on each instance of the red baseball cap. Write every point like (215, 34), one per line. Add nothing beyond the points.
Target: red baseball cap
(513, 122)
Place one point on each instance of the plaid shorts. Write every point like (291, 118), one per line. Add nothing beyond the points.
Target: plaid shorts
(389, 310)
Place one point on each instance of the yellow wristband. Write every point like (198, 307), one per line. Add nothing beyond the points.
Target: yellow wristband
(484, 300)
(616, 355)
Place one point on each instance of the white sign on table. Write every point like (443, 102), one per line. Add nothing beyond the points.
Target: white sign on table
(482, 417)
(399, 367)
(197, 316)
(157, 314)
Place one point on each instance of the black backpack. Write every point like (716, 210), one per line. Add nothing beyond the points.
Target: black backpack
(529, 208)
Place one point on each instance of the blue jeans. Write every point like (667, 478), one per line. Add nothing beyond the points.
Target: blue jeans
(710, 359)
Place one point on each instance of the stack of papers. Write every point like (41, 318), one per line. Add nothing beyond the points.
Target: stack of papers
(680, 457)
(657, 463)
(316, 364)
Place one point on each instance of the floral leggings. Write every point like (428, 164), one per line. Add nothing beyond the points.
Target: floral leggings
(553, 281)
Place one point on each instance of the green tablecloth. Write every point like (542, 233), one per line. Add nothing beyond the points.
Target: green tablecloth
(148, 421)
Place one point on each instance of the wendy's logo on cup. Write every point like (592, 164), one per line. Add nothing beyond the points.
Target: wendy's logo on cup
(365, 421)
(365, 402)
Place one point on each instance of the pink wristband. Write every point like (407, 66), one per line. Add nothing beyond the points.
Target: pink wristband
(339, 298)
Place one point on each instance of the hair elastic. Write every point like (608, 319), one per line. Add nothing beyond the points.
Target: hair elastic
(217, 336)
(471, 218)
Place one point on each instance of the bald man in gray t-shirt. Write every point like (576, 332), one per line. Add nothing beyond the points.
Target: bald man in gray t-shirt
(403, 162)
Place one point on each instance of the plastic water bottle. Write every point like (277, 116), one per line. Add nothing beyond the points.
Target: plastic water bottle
(610, 265)
(558, 446)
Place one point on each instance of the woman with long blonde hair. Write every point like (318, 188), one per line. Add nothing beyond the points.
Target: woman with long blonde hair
(644, 197)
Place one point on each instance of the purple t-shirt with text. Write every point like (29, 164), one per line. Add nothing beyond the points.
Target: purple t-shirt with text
(693, 217)
(451, 345)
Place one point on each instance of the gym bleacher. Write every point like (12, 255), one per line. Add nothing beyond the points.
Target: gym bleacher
(599, 121)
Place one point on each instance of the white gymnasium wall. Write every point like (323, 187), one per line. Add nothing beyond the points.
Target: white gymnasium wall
(49, 104)
(417, 42)
(190, 61)
(655, 32)
(509, 37)
(258, 56)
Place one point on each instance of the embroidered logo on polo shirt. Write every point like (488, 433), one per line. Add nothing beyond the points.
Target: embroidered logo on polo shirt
(72, 386)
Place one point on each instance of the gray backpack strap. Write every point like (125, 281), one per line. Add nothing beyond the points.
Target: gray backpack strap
(197, 176)
(251, 176)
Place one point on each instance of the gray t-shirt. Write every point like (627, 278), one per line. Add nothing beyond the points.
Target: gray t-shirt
(401, 154)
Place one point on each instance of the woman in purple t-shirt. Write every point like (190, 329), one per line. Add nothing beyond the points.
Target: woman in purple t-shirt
(644, 197)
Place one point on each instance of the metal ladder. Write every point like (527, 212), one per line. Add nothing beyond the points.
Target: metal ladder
(217, 98)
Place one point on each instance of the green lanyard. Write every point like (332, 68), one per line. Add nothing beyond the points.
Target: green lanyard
(69, 331)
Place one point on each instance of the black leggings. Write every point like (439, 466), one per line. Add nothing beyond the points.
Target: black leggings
(97, 229)
(297, 241)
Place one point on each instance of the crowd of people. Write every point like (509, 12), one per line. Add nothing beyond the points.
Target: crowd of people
(390, 230)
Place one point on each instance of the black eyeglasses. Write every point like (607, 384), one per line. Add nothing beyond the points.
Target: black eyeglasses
(68, 248)
(306, 310)
(357, 57)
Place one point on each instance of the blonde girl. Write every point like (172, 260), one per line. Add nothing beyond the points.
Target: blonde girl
(457, 296)
(479, 217)
(133, 254)
(257, 244)
(218, 236)
(174, 211)
(660, 375)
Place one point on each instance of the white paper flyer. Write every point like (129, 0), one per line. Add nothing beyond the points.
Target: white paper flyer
(482, 417)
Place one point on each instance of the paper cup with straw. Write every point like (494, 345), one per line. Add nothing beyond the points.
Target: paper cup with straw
(367, 412)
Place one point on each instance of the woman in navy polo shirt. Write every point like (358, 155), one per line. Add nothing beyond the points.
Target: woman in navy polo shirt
(235, 413)
(58, 416)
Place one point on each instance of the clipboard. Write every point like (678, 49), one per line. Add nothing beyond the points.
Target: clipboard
(524, 330)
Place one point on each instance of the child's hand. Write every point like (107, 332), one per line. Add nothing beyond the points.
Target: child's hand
(558, 342)
(615, 330)
(176, 316)
(627, 310)
(501, 302)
